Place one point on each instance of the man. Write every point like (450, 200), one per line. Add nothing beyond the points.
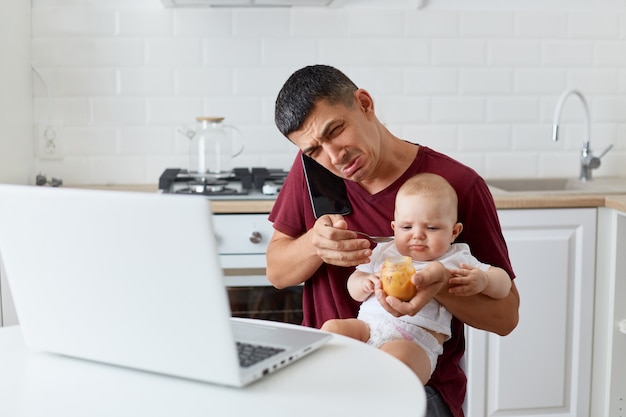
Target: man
(333, 121)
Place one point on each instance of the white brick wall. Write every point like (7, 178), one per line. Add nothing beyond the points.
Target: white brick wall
(480, 85)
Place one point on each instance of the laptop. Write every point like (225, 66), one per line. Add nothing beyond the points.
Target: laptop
(134, 280)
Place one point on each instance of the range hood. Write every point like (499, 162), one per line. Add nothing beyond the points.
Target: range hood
(245, 3)
(414, 4)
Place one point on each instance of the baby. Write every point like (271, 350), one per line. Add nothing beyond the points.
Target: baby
(425, 227)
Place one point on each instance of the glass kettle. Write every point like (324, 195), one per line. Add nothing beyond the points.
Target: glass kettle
(212, 147)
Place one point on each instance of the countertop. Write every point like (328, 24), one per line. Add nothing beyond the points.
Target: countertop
(503, 200)
(617, 202)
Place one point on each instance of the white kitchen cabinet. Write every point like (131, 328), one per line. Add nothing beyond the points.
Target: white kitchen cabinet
(543, 368)
(3, 286)
(608, 395)
(8, 317)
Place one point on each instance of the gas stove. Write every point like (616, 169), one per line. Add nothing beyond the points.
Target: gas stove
(240, 184)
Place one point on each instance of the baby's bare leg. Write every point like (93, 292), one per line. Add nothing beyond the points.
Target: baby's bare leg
(412, 355)
(354, 328)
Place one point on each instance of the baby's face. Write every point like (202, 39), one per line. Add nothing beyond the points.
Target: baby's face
(423, 227)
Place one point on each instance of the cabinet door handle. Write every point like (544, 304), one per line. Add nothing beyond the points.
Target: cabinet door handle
(256, 237)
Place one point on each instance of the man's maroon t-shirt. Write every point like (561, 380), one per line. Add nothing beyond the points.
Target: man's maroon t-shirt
(325, 294)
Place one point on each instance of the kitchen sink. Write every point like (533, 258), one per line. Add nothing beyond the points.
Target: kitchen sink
(600, 185)
(535, 184)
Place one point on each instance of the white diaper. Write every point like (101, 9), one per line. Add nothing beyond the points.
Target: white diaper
(385, 328)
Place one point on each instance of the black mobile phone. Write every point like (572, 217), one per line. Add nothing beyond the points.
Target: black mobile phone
(327, 191)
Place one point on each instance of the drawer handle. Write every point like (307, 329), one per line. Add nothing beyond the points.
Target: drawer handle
(256, 237)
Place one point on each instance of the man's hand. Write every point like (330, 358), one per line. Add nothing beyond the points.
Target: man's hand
(336, 245)
(429, 281)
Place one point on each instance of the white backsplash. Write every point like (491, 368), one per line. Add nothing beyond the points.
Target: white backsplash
(480, 86)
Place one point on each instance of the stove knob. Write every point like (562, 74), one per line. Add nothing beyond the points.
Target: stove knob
(270, 189)
(622, 326)
(256, 237)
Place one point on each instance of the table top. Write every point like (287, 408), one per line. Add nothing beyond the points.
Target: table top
(344, 377)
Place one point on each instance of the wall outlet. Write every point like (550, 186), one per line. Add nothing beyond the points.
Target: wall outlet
(49, 141)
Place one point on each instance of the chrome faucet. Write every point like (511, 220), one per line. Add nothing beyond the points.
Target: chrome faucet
(588, 161)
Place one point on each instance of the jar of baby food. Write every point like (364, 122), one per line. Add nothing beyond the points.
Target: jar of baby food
(396, 276)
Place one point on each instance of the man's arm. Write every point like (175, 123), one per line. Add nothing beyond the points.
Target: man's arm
(497, 315)
(291, 261)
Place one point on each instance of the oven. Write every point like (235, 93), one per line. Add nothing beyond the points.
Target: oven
(242, 241)
(242, 236)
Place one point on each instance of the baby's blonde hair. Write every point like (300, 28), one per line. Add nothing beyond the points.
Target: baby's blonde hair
(432, 186)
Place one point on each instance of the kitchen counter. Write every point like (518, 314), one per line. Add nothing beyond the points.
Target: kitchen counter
(503, 199)
(617, 202)
(526, 200)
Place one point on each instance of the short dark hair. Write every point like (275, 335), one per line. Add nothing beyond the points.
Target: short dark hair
(304, 88)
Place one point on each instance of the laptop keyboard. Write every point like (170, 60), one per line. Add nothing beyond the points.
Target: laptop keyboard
(250, 354)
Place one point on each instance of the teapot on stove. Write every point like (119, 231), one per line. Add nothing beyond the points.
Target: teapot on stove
(212, 147)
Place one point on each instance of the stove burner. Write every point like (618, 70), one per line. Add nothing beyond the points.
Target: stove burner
(244, 180)
(222, 191)
(208, 176)
(211, 186)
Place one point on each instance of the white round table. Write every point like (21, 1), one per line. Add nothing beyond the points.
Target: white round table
(344, 378)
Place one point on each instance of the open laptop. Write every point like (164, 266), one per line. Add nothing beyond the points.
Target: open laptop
(132, 279)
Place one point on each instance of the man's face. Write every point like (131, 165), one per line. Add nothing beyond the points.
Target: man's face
(343, 139)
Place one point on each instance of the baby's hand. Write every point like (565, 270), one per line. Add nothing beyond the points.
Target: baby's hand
(467, 280)
(369, 284)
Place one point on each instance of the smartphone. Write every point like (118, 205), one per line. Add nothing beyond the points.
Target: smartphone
(327, 191)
